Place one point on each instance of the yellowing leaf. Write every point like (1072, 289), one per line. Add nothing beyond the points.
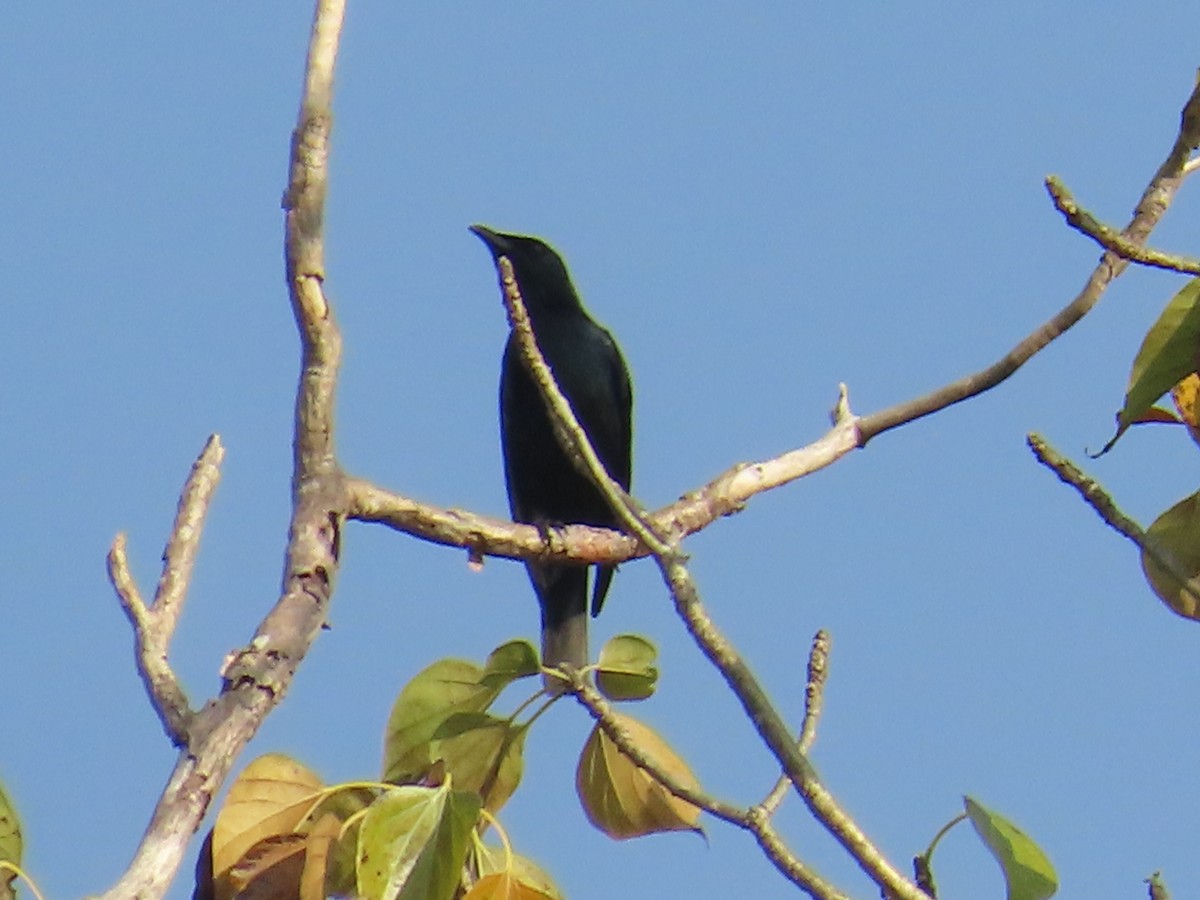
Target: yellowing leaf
(1167, 355)
(625, 801)
(1027, 871)
(318, 857)
(626, 668)
(1176, 534)
(483, 754)
(1186, 395)
(413, 841)
(446, 687)
(505, 886)
(520, 869)
(269, 798)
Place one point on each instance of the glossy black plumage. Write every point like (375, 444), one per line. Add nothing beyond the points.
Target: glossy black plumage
(544, 487)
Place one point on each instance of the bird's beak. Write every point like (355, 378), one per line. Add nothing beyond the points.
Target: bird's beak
(495, 241)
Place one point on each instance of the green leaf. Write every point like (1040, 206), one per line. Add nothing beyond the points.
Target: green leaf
(483, 754)
(1176, 534)
(439, 691)
(413, 842)
(1027, 871)
(439, 871)
(508, 662)
(626, 668)
(1167, 355)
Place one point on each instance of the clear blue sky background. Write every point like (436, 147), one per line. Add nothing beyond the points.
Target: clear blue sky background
(761, 200)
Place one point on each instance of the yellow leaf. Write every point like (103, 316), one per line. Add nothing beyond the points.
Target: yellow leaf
(1186, 395)
(268, 799)
(504, 886)
(625, 801)
(521, 869)
(318, 852)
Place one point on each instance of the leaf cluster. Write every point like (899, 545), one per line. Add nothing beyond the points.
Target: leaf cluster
(1168, 361)
(450, 763)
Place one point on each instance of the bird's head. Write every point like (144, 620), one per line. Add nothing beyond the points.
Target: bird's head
(540, 272)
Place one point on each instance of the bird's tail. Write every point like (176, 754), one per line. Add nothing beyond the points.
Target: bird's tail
(562, 592)
(604, 576)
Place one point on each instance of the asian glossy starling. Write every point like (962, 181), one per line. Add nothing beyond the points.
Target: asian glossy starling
(544, 486)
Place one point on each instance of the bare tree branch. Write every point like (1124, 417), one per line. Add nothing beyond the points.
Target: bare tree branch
(728, 492)
(1111, 239)
(1098, 499)
(814, 696)
(258, 676)
(725, 495)
(720, 652)
(154, 625)
(1155, 200)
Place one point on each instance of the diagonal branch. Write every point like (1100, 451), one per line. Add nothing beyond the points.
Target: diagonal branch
(1104, 505)
(1150, 209)
(258, 676)
(715, 646)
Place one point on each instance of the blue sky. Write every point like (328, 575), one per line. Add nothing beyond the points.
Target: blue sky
(760, 202)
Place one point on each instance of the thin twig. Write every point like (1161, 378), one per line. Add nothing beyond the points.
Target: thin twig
(814, 695)
(154, 625)
(179, 557)
(1098, 499)
(1155, 200)
(1111, 239)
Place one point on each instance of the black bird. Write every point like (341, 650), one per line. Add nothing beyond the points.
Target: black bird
(544, 486)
